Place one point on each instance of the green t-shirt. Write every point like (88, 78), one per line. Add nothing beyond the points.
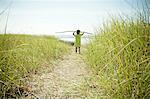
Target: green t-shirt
(78, 40)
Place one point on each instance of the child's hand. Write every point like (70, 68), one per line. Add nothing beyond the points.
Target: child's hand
(82, 33)
(73, 33)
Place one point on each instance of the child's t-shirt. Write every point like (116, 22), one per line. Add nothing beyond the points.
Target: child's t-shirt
(78, 40)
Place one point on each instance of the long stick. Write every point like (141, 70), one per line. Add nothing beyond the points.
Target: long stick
(87, 33)
(73, 31)
(65, 31)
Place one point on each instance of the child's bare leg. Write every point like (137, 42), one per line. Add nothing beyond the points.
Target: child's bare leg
(76, 50)
(79, 50)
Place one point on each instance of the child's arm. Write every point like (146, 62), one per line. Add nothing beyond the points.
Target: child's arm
(82, 33)
(73, 33)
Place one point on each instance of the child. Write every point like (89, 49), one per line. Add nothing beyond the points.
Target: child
(77, 40)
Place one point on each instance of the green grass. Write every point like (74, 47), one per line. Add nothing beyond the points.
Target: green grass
(22, 55)
(120, 59)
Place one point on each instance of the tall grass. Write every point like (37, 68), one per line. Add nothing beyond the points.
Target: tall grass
(21, 55)
(120, 59)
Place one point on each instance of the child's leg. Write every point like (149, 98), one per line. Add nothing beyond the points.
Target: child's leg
(79, 50)
(76, 49)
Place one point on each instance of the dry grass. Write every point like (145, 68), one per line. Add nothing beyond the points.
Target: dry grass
(119, 57)
(22, 55)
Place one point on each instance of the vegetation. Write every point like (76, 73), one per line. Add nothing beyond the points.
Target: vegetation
(21, 55)
(119, 57)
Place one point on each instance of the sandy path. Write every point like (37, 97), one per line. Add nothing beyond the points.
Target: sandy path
(62, 82)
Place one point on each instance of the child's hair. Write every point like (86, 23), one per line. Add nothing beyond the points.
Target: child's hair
(78, 31)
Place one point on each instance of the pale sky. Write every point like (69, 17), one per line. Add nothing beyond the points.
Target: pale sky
(49, 16)
(46, 17)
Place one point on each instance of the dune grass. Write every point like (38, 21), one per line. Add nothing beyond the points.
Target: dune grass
(22, 55)
(120, 59)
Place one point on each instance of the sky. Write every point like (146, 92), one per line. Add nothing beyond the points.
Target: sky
(45, 17)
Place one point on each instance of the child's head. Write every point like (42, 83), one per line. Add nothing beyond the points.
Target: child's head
(78, 31)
